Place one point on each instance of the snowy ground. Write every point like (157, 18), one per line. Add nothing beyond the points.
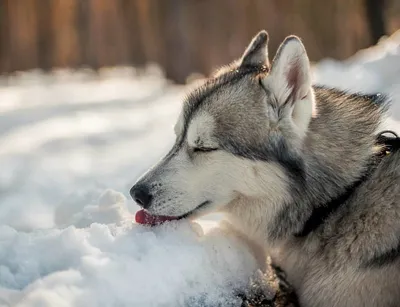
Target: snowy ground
(69, 142)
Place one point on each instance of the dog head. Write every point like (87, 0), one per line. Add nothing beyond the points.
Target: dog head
(238, 137)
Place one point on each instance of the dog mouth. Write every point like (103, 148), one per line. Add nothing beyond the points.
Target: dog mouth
(146, 218)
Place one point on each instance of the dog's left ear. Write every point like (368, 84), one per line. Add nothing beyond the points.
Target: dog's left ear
(290, 82)
(256, 53)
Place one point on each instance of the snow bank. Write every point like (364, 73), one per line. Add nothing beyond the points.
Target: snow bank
(373, 70)
(129, 265)
(69, 141)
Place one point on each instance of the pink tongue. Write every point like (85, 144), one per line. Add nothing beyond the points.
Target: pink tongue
(145, 218)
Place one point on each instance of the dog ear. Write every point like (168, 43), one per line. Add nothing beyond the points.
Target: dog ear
(290, 76)
(256, 53)
(289, 81)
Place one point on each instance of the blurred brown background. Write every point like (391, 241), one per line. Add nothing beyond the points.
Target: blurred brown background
(183, 36)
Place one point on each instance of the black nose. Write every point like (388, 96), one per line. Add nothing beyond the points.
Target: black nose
(141, 194)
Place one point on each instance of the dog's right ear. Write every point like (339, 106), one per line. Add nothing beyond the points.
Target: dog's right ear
(256, 53)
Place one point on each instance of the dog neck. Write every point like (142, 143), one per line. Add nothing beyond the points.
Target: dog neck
(336, 154)
(321, 213)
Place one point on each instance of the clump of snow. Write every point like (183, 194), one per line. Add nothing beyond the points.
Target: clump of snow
(110, 208)
(71, 146)
(129, 265)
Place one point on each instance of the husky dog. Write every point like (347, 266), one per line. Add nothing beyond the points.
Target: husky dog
(297, 168)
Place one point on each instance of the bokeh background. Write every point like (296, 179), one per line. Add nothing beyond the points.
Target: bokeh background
(182, 36)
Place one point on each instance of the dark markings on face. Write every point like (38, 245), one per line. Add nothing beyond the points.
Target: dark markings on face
(195, 99)
(278, 151)
(271, 150)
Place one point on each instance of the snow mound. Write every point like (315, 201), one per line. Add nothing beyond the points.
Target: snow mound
(108, 209)
(129, 265)
(371, 70)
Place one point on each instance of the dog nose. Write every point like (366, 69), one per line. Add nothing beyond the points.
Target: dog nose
(141, 195)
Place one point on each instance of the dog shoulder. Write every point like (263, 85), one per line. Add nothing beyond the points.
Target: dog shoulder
(366, 232)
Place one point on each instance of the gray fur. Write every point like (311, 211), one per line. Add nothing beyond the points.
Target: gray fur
(257, 53)
(282, 175)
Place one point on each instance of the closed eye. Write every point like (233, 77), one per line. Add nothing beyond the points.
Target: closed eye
(204, 149)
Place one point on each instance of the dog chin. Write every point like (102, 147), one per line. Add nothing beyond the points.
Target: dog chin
(171, 211)
(197, 211)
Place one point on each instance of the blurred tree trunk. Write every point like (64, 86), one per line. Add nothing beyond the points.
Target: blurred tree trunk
(129, 11)
(82, 27)
(64, 34)
(150, 25)
(22, 34)
(375, 15)
(4, 37)
(45, 37)
(175, 35)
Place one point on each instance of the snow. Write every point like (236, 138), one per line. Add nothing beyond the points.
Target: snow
(108, 265)
(373, 70)
(71, 146)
